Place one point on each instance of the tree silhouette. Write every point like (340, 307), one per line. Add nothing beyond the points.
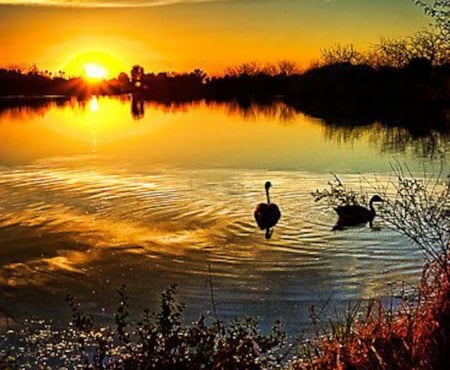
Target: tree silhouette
(244, 69)
(137, 76)
(199, 75)
(390, 52)
(287, 68)
(341, 54)
(439, 10)
(432, 46)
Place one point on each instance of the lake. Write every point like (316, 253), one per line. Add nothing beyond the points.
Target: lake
(111, 191)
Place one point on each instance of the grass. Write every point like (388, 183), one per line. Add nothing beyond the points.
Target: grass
(416, 335)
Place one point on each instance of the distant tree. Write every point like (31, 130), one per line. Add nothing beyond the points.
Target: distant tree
(282, 67)
(341, 54)
(137, 75)
(270, 69)
(287, 68)
(399, 52)
(199, 75)
(390, 52)
(163, 75)
(33, 70)
(123, 78)
(123, 82)
(314, 64)
(432, 46)
(244, 69)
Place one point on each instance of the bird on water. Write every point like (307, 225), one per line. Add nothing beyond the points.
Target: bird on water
(267, 214)
(352, 215)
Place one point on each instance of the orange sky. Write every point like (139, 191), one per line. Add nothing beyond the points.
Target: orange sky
(210, 35)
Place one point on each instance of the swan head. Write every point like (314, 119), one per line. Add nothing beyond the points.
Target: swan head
(376, 198)
(267, 185)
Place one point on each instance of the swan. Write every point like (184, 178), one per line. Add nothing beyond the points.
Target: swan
(352, 215)
(267, 214)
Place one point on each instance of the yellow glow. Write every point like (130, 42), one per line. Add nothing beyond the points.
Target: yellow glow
(168, 39)
(93, 104)
(94, 71)
(93, 65)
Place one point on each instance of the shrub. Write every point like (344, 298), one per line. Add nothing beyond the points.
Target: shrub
(158, 341)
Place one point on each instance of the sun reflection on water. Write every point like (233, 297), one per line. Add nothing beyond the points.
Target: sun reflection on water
(93, 104)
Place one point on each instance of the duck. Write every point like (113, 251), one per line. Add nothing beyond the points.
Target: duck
(353, 215)
(267, 214)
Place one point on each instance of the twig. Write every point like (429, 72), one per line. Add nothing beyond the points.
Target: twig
(211, 289)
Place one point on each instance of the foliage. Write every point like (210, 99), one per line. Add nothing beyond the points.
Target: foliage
(439, 10)
(121, 316)
(79, 319)
(428, 45)
(393, 52)
(419, 209)
(414, 336)
(252, 69)
(339, 195)
(341, 54)
(433, 44)
(158, 341)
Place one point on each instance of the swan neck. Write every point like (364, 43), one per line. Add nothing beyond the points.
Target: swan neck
(267, 196)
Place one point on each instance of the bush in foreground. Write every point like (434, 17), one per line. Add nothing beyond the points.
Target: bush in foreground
(158, 341)
(414, 336)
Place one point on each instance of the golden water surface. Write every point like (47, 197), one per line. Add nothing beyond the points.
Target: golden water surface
(93, 196)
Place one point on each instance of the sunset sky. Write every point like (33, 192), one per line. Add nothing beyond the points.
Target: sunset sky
(170, 35)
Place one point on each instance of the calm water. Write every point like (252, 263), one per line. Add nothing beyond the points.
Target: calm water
(92, 197)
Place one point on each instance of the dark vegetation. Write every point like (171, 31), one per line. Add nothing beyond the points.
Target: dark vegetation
(157, 341)
(32, 82)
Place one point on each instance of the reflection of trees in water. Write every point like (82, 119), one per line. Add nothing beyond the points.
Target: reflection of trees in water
(248, 110)
(433, 144)
(168, 106)
(137, 107)
(421, 139)
(343, 134)
(254, 110)
(399, 139)
(32, 106)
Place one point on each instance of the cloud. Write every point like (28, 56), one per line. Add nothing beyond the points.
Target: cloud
(99, 3)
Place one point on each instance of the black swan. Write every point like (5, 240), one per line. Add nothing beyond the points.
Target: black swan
(352, 215)
(267, 214)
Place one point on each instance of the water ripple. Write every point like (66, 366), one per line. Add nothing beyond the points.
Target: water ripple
(176, 223)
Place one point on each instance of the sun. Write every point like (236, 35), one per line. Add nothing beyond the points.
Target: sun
(95, 72)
